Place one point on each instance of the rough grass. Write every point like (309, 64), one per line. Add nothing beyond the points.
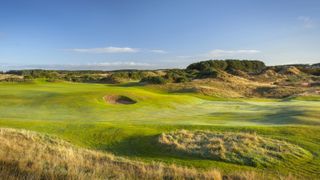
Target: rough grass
(9, 76)
(28, 155)
(25, 154)
(268, 84)
(240, 148)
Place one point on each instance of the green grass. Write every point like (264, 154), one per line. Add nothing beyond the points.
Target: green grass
(78, 113)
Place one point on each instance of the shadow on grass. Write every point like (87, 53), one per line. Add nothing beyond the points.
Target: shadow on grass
(144, 146)
(148, 147)
(235, 116)
(286, 115)
(129, 84)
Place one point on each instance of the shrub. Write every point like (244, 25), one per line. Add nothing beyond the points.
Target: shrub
(250, 66)
(153, 80)
(111, 80)
(212, 73)
(177, 75)
(182, 79)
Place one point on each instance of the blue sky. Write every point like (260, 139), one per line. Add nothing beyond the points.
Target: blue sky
(146, 34)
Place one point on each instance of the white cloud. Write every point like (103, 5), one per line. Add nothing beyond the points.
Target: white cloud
(106, 50)
(89, 66)
(119, 63)
(308, 22)
(112, 49)
(158, 51)
(222, 53)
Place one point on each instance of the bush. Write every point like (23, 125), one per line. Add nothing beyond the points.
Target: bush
(27, 77)
(250, 66)
(153, 80)
(177, 75)
(182, 79)
(111, 80)
(246, 65)
(208, 74)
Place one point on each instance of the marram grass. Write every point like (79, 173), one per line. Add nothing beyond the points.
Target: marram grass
(239, 148)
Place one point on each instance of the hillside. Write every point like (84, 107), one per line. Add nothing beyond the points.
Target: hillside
(215, 78)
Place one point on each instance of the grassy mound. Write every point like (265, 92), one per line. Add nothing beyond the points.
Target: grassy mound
(28, 155)
(291, 70)
(240, 148)
(118, 99)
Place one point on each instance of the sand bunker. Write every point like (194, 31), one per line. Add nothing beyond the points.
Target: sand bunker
(118, 99)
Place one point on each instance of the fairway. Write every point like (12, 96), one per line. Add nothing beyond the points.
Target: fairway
(80, 114)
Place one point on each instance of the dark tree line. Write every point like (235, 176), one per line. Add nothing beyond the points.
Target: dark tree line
(249, 66)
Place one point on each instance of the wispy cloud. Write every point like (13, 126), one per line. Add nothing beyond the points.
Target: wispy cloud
(222, 53)
(159, 51)
(110, 49)
(307, 21)
(88, 66)
(119, 63)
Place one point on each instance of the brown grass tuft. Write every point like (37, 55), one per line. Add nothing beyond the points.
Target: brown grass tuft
(28, 155)
(239, 148)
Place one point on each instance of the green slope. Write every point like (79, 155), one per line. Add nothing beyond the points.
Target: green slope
(79, 114)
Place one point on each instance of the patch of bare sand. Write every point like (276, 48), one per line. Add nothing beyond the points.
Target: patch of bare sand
(118, 99)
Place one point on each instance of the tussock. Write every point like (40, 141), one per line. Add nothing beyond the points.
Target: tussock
(291, 70)
(240, 148)
(28, 155)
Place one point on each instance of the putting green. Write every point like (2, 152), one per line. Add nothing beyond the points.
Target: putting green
(79, 113)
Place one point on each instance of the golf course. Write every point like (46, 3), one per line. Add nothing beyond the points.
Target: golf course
(159, 90)
(128, 119)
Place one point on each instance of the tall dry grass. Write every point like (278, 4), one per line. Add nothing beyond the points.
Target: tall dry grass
(29, 155)
(239, 148)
